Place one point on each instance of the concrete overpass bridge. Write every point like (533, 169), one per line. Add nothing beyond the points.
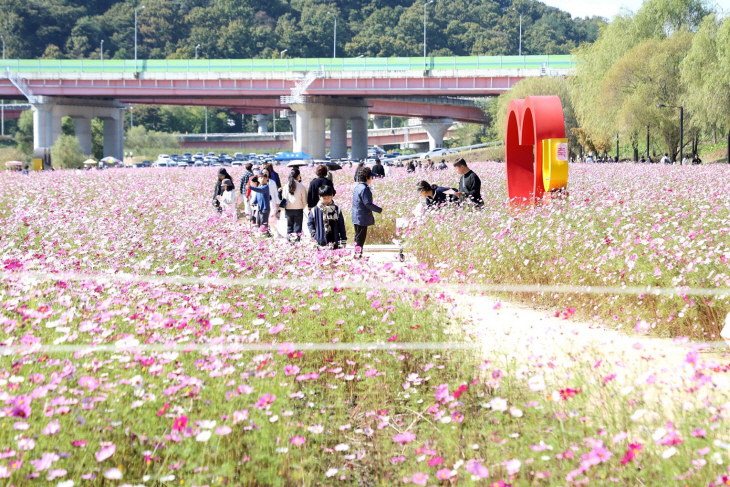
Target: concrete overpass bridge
(311, 90)
(415, 137)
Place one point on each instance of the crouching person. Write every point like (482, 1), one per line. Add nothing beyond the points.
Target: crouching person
(326, 222)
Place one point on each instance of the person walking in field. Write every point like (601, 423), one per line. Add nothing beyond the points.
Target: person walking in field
(321, 180)
(295, 201)
(228, 199)
(326, 222)
(218, 191)
(243, 188)
(470, 186)
(363, 208)
(263, 201)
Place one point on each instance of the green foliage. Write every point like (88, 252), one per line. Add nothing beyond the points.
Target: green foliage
(66, 152)
(56, 29)
(138, 139)
(542, 86)
(635, 64)
(24, 134)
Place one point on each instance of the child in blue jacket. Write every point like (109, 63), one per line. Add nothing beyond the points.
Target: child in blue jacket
(326, 222)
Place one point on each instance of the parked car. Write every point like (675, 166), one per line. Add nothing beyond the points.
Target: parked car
(434, 153)
(147, 163)
(187, 155)
(182, 164)
(237, 163)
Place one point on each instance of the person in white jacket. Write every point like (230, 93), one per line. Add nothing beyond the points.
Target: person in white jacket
(295, 195)
(228, 200)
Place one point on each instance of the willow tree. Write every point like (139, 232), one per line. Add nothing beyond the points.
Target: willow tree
(655, 20)
(706, 75)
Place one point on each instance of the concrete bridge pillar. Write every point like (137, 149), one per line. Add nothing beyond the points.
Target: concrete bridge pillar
(379, 121)
(114, 135)
(263, 121)
(338, 138)
(360, 137)
(310, 126)
(436, 129)
(83, 133)
(292, 116)
(48, 114)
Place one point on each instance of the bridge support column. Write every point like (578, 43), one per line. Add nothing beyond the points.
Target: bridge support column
(49, 111)
(83, 133)
(292, 116)
(263, 121)
(46, 126)
(338, 138)
(379, 121)
(114, 135)
(309, 136)
(436, 129)
(360, 137)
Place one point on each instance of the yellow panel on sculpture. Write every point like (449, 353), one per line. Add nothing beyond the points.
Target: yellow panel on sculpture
(554, 164)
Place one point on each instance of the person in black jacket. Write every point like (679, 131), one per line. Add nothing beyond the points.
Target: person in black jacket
(219, 190)
(470, 186)
(320, 180)
(378, 171)
(357, 169)
(436, 196)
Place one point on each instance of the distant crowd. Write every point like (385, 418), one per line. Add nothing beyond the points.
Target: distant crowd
(263, 196)
(665, 159)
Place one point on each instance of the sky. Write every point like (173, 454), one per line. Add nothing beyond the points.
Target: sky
(607, 8)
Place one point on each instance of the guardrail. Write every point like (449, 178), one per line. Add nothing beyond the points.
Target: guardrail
(284, 65)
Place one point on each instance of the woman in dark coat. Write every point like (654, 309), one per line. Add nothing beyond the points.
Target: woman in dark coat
(435, 195)
(320, 180)
(219, 190)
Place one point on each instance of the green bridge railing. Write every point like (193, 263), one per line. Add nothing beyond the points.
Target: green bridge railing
(284, 65)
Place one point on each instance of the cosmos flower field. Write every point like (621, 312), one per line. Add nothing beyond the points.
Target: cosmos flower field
(282, 365)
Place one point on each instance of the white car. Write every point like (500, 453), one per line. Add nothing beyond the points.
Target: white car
(182, 164)
(434, 153)
(237, 163)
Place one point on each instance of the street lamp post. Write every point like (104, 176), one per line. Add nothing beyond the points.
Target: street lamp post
(102, 55)
(334, 43)
(681, 128)
(617, 150)
(135, 35)
(425, 5)
(196, 51)
(2, 130)
(520, 34)
(647, 142)
(281, 54)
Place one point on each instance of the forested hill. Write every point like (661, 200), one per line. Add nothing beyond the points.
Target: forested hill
(58, 29)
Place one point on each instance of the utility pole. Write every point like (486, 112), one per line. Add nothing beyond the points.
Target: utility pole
(2, 131)
(196, 51)
(102, 55)
(520, 34)
(135, 35)
(617, 150)
(425, 5)
(334, 44)
(647, 142)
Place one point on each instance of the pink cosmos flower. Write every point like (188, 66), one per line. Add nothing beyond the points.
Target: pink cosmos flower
(223, 430)
(404, 438)
(180, 423)
(89, 382)
(475, 467)
(443, 474)
(265, 401)
(107, 450)
(297, 440)
(290, 369)
(420, 478)
(276, 329)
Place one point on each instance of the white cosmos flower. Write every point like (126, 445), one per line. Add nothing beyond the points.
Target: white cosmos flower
(203, 436)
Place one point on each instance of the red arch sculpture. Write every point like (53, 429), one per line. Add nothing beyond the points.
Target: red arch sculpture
(529, 121)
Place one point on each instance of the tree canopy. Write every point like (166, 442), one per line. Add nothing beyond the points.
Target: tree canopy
(74, 29)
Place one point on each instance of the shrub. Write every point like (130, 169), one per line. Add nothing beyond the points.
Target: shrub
(66, 152)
